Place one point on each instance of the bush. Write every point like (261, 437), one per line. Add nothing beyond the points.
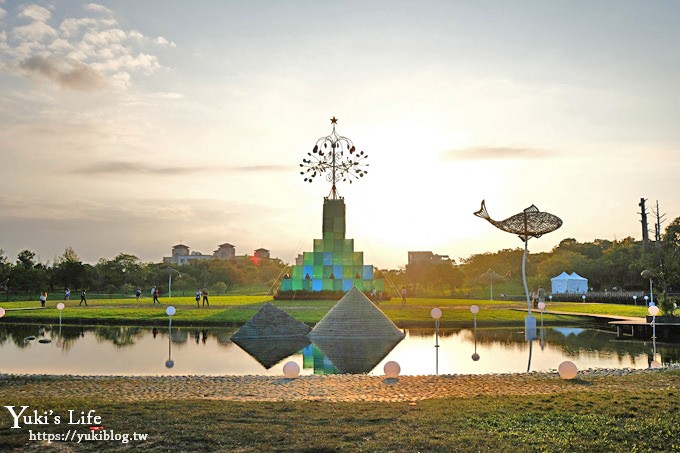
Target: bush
(667, 304)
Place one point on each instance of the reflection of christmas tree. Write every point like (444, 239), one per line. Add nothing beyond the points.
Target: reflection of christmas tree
(333, 265)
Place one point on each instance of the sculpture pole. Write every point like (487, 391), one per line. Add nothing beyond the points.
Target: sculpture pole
(524, 276)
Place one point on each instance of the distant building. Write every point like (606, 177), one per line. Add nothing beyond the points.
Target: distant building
(427, 257)
(261, 253)
(181, 254)
(225, 251)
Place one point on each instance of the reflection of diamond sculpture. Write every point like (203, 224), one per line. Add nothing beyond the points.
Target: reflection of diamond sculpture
(337, 158)
(530, 223)
(269, 352)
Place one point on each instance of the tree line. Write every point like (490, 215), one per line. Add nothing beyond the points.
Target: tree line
(608, 265)
(125, 272)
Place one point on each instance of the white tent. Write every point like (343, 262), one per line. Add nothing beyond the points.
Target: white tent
(577, 284)
(559, 283)
(566, 283)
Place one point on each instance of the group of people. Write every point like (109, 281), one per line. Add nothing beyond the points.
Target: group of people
(67, 296)
(204, 294)
(155, 294)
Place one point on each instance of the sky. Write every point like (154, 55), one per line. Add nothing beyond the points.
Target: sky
(131, 126)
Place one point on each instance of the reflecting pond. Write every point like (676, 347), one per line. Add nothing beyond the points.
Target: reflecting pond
(210, 351)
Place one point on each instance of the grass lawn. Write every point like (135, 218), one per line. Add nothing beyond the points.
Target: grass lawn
(238, 309)
(600, 309)
(577, 419)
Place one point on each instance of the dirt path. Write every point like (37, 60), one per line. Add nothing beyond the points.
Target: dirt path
(332, 388)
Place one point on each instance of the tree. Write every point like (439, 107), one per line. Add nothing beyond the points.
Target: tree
(68, 271)
(27, 275)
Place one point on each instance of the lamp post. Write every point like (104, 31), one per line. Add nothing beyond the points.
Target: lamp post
(541, 307)
(583, 298)
(474, 310)
(550, 297)
(646, 299)
(653, 311)
(170, 311)
(170, 271)
(436, 313)
(649, 274)
(2, 312)
(635, 300)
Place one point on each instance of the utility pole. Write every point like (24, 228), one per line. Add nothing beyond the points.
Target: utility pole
(645, 226)
(660, 218)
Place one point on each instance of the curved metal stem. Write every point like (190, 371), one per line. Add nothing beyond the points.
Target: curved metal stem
(524, 275)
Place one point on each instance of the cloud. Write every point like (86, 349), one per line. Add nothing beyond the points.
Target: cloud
(125, 167)
(3, 13)
(81, 53)
(98, 8)
(35, 12)
(261, 168)
(67, 73)
(496, 153)
(35, 31)
(164, 42)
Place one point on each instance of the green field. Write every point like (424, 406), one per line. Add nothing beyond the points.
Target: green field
(237, 309)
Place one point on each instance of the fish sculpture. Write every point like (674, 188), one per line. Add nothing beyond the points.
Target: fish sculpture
(530, 223)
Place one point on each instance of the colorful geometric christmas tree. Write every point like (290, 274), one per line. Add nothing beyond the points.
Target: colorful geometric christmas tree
(333, 265)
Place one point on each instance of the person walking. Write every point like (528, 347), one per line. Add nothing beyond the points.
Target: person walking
(156, 293)
(138, 293)
(67, 294)
(43, 298)
(83, 299)
(205, 297)
(198, 297)
(403, 295)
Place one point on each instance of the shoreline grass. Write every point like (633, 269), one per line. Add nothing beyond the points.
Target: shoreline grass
(638, 413)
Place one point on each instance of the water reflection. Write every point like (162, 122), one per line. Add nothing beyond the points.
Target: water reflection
(270, 352)
(351, 355)
(201, 350)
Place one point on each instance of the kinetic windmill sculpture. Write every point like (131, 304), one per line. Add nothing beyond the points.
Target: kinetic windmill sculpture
(530, 223)
(335, 157)
(333, 265)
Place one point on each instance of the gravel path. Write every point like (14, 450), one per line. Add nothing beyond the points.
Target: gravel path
(332, 388)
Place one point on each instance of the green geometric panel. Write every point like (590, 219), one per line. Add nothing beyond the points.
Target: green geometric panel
(347, 272)
(327, 284)
(318, 258)
(297, 272)
(297, 285)
(319, 245)
(308, 258)
(286, 284)
(307, 285)
(358, 258)
(359, 284)
(348, 245)
(327, 271)
(337, 258)
(337, 285)
(356, 272)
(318, 271)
